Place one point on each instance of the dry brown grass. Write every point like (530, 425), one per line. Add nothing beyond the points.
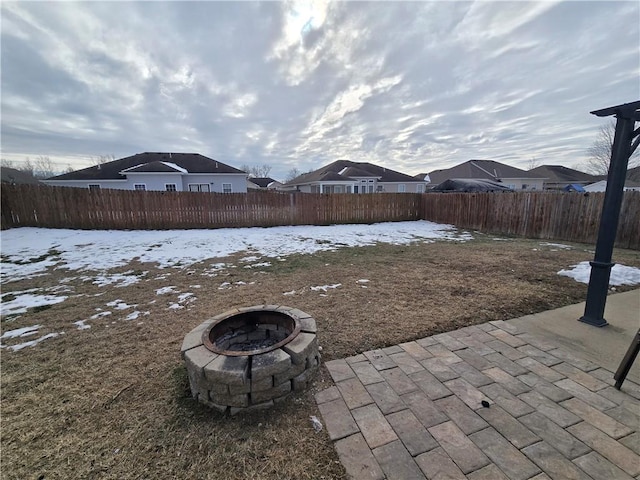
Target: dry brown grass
(113, 401)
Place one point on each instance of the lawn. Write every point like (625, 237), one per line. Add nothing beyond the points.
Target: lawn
(109, 397)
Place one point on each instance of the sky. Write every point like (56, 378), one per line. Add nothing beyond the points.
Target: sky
(411, 86)
(91, 256)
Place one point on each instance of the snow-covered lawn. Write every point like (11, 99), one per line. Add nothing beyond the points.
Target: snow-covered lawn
(90, 256)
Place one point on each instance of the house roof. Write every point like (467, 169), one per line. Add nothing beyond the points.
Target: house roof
(560, 174)
(150, 162)
(262, 182)
(633, 174)
(16, 177)
(346, 170)
(480, 169)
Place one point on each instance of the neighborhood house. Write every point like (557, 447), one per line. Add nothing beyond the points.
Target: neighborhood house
(171, 172)
(345, 176)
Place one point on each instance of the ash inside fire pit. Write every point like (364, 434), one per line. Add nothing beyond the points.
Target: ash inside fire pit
(251, 333)
(251, 357)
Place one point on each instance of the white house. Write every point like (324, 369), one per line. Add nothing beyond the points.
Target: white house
(601, 186)
(171, 172)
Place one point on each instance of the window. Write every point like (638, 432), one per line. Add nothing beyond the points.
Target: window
(420, 188)
(139, 186)
(199, 187)
(226, 188)
(402, 188)
(170, 187)
(315, 188)
(94, 187)
(524, 186)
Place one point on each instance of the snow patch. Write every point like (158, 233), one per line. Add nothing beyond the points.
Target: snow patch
(620, 274)
(324, 288)
(32, 343)
(22, 303)
(165, 290)
(21, 332)
(82, 325)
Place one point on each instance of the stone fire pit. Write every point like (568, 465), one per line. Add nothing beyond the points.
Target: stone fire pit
(249, 358)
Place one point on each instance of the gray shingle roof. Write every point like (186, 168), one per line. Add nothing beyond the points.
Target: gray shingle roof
(349, 169)
(480, 169)
(149, 162)
(560, 174)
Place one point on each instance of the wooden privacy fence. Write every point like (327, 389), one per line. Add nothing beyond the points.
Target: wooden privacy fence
(545, 215)
(63, 207)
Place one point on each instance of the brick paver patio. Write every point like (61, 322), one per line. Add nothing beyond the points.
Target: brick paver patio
(415, 411)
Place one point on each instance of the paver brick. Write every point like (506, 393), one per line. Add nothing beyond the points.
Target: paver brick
(547, 389)
(476, 345)
(444, 354)
(327, 395)
(580, 377)
(510, 428)
(436, 464)
(490, 472)
(354, 393)
(461, 450)
(554, 435)
(356, 359)
(608, 425)
(506, 350)
(612, 450)
(399, 381)
(466, 419)
(585, 394)
(385, 397)
(536, 341)
(541, 356)
(632, 442)
(486, 327)
(396, 462)
(599, 467)
(467, 393)
(553, 463)
(413, 434)
(507, 338)
(338, 419)
(474, 359)
(229, 370)
(392, 349)
(430, 385)
(357, 459)
(374, 427)
(440, 370)
(512, 384)
(302, 346)
(550, 409)
(415, 350)
(366, 373)
(540, 369)
(424, 409)
(626, 414)
(574, 360)
(449, 342)
(620, 397)
(507, 327)
(379, 359)
(406, 362)
(471, 375)
(506, 400)
(508, 458)
(266, 395)
(426, 342)
(509, 366)
(339, 370)
(270, 363)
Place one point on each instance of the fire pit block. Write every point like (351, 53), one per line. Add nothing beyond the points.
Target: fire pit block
(251, 357)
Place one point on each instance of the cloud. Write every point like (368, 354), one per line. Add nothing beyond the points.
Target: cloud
(413, 86)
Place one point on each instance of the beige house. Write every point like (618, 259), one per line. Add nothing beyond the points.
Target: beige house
(508, 176)
(345, 176)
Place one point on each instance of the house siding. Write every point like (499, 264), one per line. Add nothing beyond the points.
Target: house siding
(158, 181)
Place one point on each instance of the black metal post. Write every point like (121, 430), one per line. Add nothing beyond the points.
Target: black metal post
(601, 265)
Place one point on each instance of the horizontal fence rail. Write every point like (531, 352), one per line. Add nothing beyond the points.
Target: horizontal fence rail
(545, 215)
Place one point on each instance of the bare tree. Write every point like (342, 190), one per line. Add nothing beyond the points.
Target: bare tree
(533, 163)
(43, 167)
(600, 151)
(100, 159)
(293, 173)
(259, 171)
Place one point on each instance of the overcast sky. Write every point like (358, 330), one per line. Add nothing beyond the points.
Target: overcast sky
(412, 86)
